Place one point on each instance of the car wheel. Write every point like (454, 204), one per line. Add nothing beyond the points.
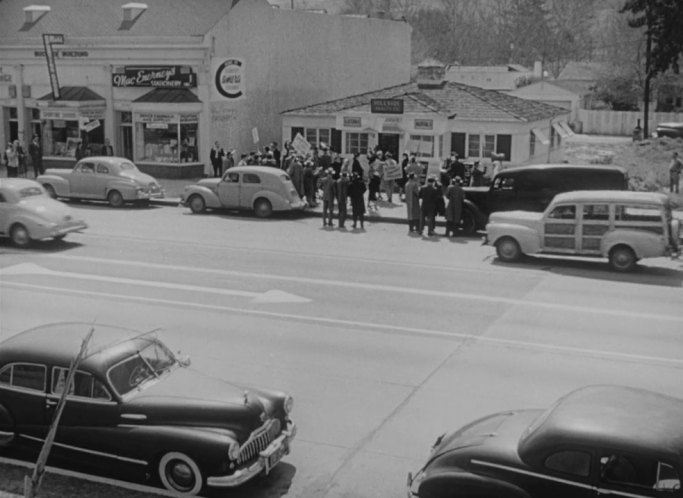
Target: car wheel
(115, 199)
(19, 235)
(263, 208)
(469, 223)
(50, 190)
(508, 249)
(622, 259)
(180, 474)
(197, 204)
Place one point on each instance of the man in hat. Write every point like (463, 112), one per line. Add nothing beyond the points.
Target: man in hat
(429, 195)
(324, 159)
(342, 196)
(329, 188)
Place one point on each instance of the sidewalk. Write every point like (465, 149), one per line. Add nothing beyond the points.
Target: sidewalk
(386, 212)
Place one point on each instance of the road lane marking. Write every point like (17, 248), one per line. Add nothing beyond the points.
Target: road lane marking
(379, 327)
(621, 313)
(271, 296)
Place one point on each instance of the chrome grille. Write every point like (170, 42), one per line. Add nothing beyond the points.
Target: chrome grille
(259, 441)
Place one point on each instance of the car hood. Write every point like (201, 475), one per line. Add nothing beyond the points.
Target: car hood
(138, 176)
(185, 397)
(209, 182)
(48, 209)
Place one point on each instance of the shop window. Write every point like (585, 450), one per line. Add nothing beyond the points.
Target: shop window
(317, 136)
(356, 143)
(474, 146)
(171, 141)
(60, 138)
(421, 145)
(13, 122)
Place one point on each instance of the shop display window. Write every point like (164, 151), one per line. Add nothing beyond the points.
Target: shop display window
(166, 142)
(61, 138)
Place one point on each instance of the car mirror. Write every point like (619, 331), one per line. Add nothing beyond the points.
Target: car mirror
(183, 359)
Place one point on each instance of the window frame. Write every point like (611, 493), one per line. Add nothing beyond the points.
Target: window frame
(585, 452)
(11, 384)
(72, 395)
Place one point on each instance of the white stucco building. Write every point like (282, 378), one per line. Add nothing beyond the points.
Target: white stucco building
(164, 79)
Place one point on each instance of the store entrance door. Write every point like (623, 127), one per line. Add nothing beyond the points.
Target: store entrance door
(388, 142)
(126, 142)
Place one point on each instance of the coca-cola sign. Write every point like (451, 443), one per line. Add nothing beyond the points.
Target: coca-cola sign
(156, 76)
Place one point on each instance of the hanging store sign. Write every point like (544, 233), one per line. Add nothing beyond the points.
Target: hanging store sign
(352, 122)
(48, 41)
(386, 106)
(154, 76)
(154, 118)
(59, 114)
(424, 124)
(392, 124)
(229, 78)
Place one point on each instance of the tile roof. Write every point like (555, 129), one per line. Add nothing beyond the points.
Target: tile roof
(169, 96)
(74, 94)
(451, 100)
(104, 18)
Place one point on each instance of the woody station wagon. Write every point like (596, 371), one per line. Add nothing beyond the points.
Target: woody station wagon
(622, 226)
(134, 403)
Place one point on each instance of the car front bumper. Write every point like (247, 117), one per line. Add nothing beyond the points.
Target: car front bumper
(142, 195)
(267, 459)
(60, 230)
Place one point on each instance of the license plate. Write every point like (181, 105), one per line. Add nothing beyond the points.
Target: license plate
(272, 456)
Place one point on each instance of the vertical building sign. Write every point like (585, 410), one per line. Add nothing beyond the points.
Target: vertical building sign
(48, 41)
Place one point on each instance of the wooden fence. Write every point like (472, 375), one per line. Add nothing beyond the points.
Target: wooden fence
(620, 123)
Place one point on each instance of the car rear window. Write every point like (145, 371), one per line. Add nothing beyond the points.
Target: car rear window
(637, 213)
(572, 462)
(30, 192)
(24, 375)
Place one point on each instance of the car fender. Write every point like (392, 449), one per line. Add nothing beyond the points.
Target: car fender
(644, 244)
(275, 199)
(210, 198)
(127, 188)
(479, 217)
(527, 238)
(59, 183)
(6, 427)
(31, 221)
(444, 483)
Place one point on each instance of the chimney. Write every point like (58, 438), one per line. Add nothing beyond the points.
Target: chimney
(132, 10)
(431, 74)
(34, 12)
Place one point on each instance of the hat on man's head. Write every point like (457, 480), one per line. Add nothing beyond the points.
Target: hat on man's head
(431, 179)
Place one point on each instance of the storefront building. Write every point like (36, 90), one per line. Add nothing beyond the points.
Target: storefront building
(432, 117)
(161, 81)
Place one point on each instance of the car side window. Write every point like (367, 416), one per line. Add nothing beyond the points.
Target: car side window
(667, 478)
(628, 470)
(231, 177)
(24, 375)
(84, 385)
(563, 212)
(637, 213)
(505, 183)
(2, 198)
(87, 168)
(250, 178)
(596, 212)
(572, 462)
(102, 169)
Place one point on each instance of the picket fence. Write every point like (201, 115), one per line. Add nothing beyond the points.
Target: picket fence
(620, 123)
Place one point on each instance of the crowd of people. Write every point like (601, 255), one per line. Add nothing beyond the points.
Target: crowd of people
(16, 160)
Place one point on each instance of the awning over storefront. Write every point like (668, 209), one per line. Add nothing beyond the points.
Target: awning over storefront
(169, 96)
(74, 94)
(541, 136)
(567, 128)
(75, 103)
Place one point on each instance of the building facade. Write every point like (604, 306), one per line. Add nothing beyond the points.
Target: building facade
(432, 117)
(163, 80)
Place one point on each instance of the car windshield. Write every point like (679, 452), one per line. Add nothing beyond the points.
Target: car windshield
(30, 192)
(145, 365)
(125, 166)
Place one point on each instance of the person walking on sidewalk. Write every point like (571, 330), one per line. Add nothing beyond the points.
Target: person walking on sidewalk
(412, 199)
(675, 168)
(455, 195)
(12, 159)
(329, 188)
(429, 195)
(342, 197)
(36, 152)
(356, 194)
(216, 158)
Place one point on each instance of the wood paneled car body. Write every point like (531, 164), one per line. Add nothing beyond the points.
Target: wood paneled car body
(596, 441)
(134, 402)
(102, 178)
(263, 189)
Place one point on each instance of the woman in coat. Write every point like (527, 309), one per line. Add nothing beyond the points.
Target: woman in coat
(356, 193)
(412, 191)
(455, 195)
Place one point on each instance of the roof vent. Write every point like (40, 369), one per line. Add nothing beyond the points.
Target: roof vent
(133, 10)
(34, 12)
(431, 74)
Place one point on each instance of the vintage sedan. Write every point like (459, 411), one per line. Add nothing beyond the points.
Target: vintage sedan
(134, 402)
(27, 213)
(595, 441)
(262, 189)
(102, 178)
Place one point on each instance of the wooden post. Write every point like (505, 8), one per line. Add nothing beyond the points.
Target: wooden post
(32, 485)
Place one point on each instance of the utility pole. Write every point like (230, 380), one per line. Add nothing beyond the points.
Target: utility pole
(648, 77)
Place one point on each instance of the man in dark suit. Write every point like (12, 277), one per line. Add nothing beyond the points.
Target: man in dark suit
(430, 197)
(216, 158)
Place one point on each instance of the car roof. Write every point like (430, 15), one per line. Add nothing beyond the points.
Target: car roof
(612, 196)
(59, 343)
(554, 166)
(609, 416)
(17, 183)
(269, 170)
(107, 159)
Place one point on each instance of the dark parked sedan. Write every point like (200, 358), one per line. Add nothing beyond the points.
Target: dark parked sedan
(671, 130)
(134, 401)
(599, 440)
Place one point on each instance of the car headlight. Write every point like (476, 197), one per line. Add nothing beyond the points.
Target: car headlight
(289, 404)
(234, 450)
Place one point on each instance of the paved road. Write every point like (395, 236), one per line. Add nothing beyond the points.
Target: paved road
(386, 340)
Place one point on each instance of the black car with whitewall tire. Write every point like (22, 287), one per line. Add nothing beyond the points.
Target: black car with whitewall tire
(134, 402)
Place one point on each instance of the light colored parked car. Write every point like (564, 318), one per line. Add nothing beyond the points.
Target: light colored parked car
(262, 189)
(622, 226)
(102, 178)
(28, 213)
